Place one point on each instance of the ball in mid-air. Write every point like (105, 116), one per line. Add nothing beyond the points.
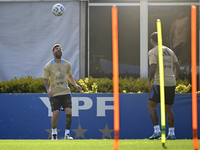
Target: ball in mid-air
(58, 9)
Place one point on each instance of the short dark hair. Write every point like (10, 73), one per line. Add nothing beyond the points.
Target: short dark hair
(56, 45)
(154, 37)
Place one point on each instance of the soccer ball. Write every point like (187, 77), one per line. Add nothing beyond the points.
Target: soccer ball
(58, 9)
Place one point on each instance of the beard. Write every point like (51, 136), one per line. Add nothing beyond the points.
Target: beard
(58, 55)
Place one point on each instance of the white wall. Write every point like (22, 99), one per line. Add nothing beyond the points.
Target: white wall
(28, 32)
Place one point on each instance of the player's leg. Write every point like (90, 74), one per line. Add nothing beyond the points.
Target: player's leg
(54, 119)
(152, 103)
(155, 119)
(68, 111)
(170, 120)
(68, 121)
(54, 122)
(55, 108)
(170, 115)
(170, 94)
(153, 112)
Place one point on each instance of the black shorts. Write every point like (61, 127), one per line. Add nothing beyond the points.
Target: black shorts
(154, 95)
(61, 100)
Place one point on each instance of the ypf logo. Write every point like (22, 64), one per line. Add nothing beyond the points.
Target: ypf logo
(87, 104)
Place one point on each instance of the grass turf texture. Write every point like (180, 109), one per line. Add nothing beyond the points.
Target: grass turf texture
(94, 144)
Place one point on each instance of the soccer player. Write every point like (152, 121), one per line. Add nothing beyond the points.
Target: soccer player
(170, 76)
(56, 70)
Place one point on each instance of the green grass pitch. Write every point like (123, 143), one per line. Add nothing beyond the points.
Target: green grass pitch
(96, 144)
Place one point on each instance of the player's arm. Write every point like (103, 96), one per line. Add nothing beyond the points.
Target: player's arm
(71, 79)
(186, 32)
(177, 69)
(173, 26)
(152, 73)
(46, 84)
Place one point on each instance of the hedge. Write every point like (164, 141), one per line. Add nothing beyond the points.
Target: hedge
(30, 84)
